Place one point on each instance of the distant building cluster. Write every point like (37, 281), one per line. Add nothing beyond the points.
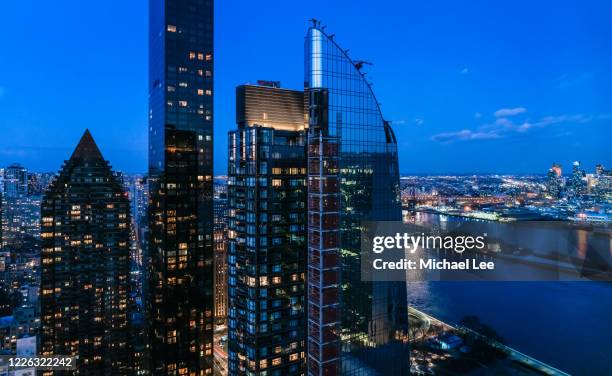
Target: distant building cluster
(20, 200)
(588, 196)
(597, 185)
(575, 196)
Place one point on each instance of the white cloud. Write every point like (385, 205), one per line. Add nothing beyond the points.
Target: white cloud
(524, 127)
(465, 71)
(505, 112)
(503, 122)
(417, 121)
(465, 135)
(504, 127)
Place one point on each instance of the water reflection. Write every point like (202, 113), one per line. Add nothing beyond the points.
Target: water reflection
(565, 324)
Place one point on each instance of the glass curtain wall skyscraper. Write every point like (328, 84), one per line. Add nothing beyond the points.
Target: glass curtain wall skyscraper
(179, 298)
(353, 177)
(85, 258)
(267, 233)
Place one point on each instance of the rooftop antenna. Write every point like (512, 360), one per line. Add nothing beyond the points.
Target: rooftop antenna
(315, 22)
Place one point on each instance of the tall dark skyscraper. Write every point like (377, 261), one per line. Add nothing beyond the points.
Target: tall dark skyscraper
(180, 254)
(353, 176)
(267, 233)
(85, 219)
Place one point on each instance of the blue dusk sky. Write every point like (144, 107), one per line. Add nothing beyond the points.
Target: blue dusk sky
(470, 86)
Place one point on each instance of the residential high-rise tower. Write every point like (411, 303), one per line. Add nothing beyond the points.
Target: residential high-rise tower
(354, 327)
(179, 301)
(267, 232)
(85, 258)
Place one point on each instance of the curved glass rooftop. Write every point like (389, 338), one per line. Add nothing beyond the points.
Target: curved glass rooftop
(373, 314)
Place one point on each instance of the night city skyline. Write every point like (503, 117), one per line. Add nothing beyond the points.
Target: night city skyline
(344, 188)
(452, 92)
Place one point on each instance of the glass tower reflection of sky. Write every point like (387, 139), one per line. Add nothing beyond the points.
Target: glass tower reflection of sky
(373, 315)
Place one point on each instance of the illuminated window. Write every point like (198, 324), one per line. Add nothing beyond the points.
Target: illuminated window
(276, 361)
(192, 55)
(208, 92)
(200, 92)
(208, 57)
(171, 28)
(200, 56)
(183, 103)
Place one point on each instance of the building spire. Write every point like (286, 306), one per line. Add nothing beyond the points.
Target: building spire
(87, 148)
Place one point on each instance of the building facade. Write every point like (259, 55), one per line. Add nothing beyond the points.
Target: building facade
(577, 182)
(355, 327)
(179, 302)
(267, 233)
(19, 211)
(554, 181)
(15, 181)
(220, 244)
(85, 285)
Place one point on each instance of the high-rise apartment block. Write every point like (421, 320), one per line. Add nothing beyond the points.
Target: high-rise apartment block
(85, 257)
(267, 232)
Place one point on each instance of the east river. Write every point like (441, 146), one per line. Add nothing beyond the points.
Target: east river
(565, 324)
